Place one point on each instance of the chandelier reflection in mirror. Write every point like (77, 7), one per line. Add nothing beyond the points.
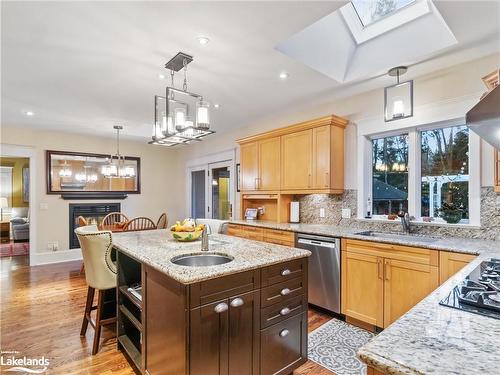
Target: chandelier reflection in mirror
(181, 117)
(116, 167)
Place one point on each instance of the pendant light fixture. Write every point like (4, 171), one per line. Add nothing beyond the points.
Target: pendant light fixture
(116, 167)
(66, 170)
(398, 98)
(180, 116)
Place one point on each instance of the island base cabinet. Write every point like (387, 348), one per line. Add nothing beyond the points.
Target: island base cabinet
(224, 336)
(284, 346)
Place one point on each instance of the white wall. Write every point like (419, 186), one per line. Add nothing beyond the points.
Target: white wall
(159, 188)
(439, 96)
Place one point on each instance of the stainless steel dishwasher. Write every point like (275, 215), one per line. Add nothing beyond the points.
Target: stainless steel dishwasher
(324, 270)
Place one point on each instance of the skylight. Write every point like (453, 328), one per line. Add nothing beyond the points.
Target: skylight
(370, 11)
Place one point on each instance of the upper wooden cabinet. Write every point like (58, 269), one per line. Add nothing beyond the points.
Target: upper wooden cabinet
(497, 171)
(299, 159)
(260, 165)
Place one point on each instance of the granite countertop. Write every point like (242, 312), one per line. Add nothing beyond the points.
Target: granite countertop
(430, 338)
(156, 248)
(451, 244)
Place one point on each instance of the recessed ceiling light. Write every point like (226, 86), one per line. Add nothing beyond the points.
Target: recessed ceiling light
(161, 76)
(203, 40)
(284, 75)
(29, 113)
(216, 105)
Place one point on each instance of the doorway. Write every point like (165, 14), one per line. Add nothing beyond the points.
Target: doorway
(212, 190)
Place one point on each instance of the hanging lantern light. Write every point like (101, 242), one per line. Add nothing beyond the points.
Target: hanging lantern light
(398, 98)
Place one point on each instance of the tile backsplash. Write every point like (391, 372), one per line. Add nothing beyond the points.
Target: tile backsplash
(333, 204)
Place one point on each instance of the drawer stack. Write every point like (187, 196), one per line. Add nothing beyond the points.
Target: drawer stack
(283, 317)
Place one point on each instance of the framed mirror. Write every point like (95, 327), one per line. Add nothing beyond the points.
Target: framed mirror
(92, 174)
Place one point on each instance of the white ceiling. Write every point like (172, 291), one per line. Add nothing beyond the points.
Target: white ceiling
(85, 66)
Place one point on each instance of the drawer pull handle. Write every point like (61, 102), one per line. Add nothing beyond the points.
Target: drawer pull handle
(221, 307)
(237, 302)
(286, 272)
(285, 311)
(284, 333)
(285, 292)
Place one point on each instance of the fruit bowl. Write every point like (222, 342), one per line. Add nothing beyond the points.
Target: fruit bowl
(186, 236)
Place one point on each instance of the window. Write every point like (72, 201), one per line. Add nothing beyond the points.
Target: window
(445, 170)
(390, 175)
(431, 173)
(370, 11)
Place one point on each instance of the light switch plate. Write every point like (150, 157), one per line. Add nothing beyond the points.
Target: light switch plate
(321, 212)
(346, 213)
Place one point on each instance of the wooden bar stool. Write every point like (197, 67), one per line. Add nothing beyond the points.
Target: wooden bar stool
(100, 273)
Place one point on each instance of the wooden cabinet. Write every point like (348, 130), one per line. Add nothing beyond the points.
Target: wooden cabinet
(260, 165)
(249, 323)
(381, 282)
(224, 336)
(299, 159)
(278, 237)
(296, 160)
(497, 171)
(450, 263)
(4, 232)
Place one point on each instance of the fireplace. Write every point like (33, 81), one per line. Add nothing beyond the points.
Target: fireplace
(92, 212)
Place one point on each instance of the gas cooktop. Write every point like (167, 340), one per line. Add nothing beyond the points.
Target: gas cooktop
(479, 293)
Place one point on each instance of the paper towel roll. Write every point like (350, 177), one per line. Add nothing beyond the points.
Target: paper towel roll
(294, 212)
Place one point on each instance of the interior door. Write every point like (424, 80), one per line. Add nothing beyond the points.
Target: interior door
(220, 190)
(296, 160)
(405, 285)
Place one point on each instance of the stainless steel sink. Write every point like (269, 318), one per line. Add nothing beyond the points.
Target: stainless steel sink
(201, 260)
(399, 236)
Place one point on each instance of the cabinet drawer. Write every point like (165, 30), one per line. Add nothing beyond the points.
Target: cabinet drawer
(279, 237)
(235, 230)
(284, 271)
(283, 346)
(391, 251)
(277, 293)
(280, 311)
(223, 287)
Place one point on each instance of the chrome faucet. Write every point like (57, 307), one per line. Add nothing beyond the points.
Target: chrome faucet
(204, 239)
(405, 221)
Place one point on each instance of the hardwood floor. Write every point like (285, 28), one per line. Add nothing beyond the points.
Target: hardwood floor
(41, 311)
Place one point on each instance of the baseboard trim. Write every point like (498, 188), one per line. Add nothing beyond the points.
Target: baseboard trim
(37, 259)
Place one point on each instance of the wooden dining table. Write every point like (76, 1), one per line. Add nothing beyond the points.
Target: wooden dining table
(117, 227)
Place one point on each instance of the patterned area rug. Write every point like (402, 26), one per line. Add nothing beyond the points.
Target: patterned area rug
(13, 249)
(334, 346)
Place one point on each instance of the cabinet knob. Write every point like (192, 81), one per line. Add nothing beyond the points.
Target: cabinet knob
(285, 291)
(221, 307)
(286, 272)
(284, 333)
(285, 311)
(237, 302)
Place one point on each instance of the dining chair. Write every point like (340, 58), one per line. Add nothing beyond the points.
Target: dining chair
(113, 218)
(162, 222)
(139, 223)
(100, 274)
(81, 223)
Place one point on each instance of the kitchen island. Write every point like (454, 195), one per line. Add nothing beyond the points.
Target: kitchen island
(246, 316)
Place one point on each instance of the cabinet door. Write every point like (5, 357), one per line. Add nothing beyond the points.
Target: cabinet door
(249, 166)
(283, 346)
(209, 339)
(363, 287)
(321, 157)
(451, 263)
(244, 331)
(296, 160)
(269, 164)
(405, 285)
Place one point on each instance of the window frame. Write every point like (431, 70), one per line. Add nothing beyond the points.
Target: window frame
(414, 174)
